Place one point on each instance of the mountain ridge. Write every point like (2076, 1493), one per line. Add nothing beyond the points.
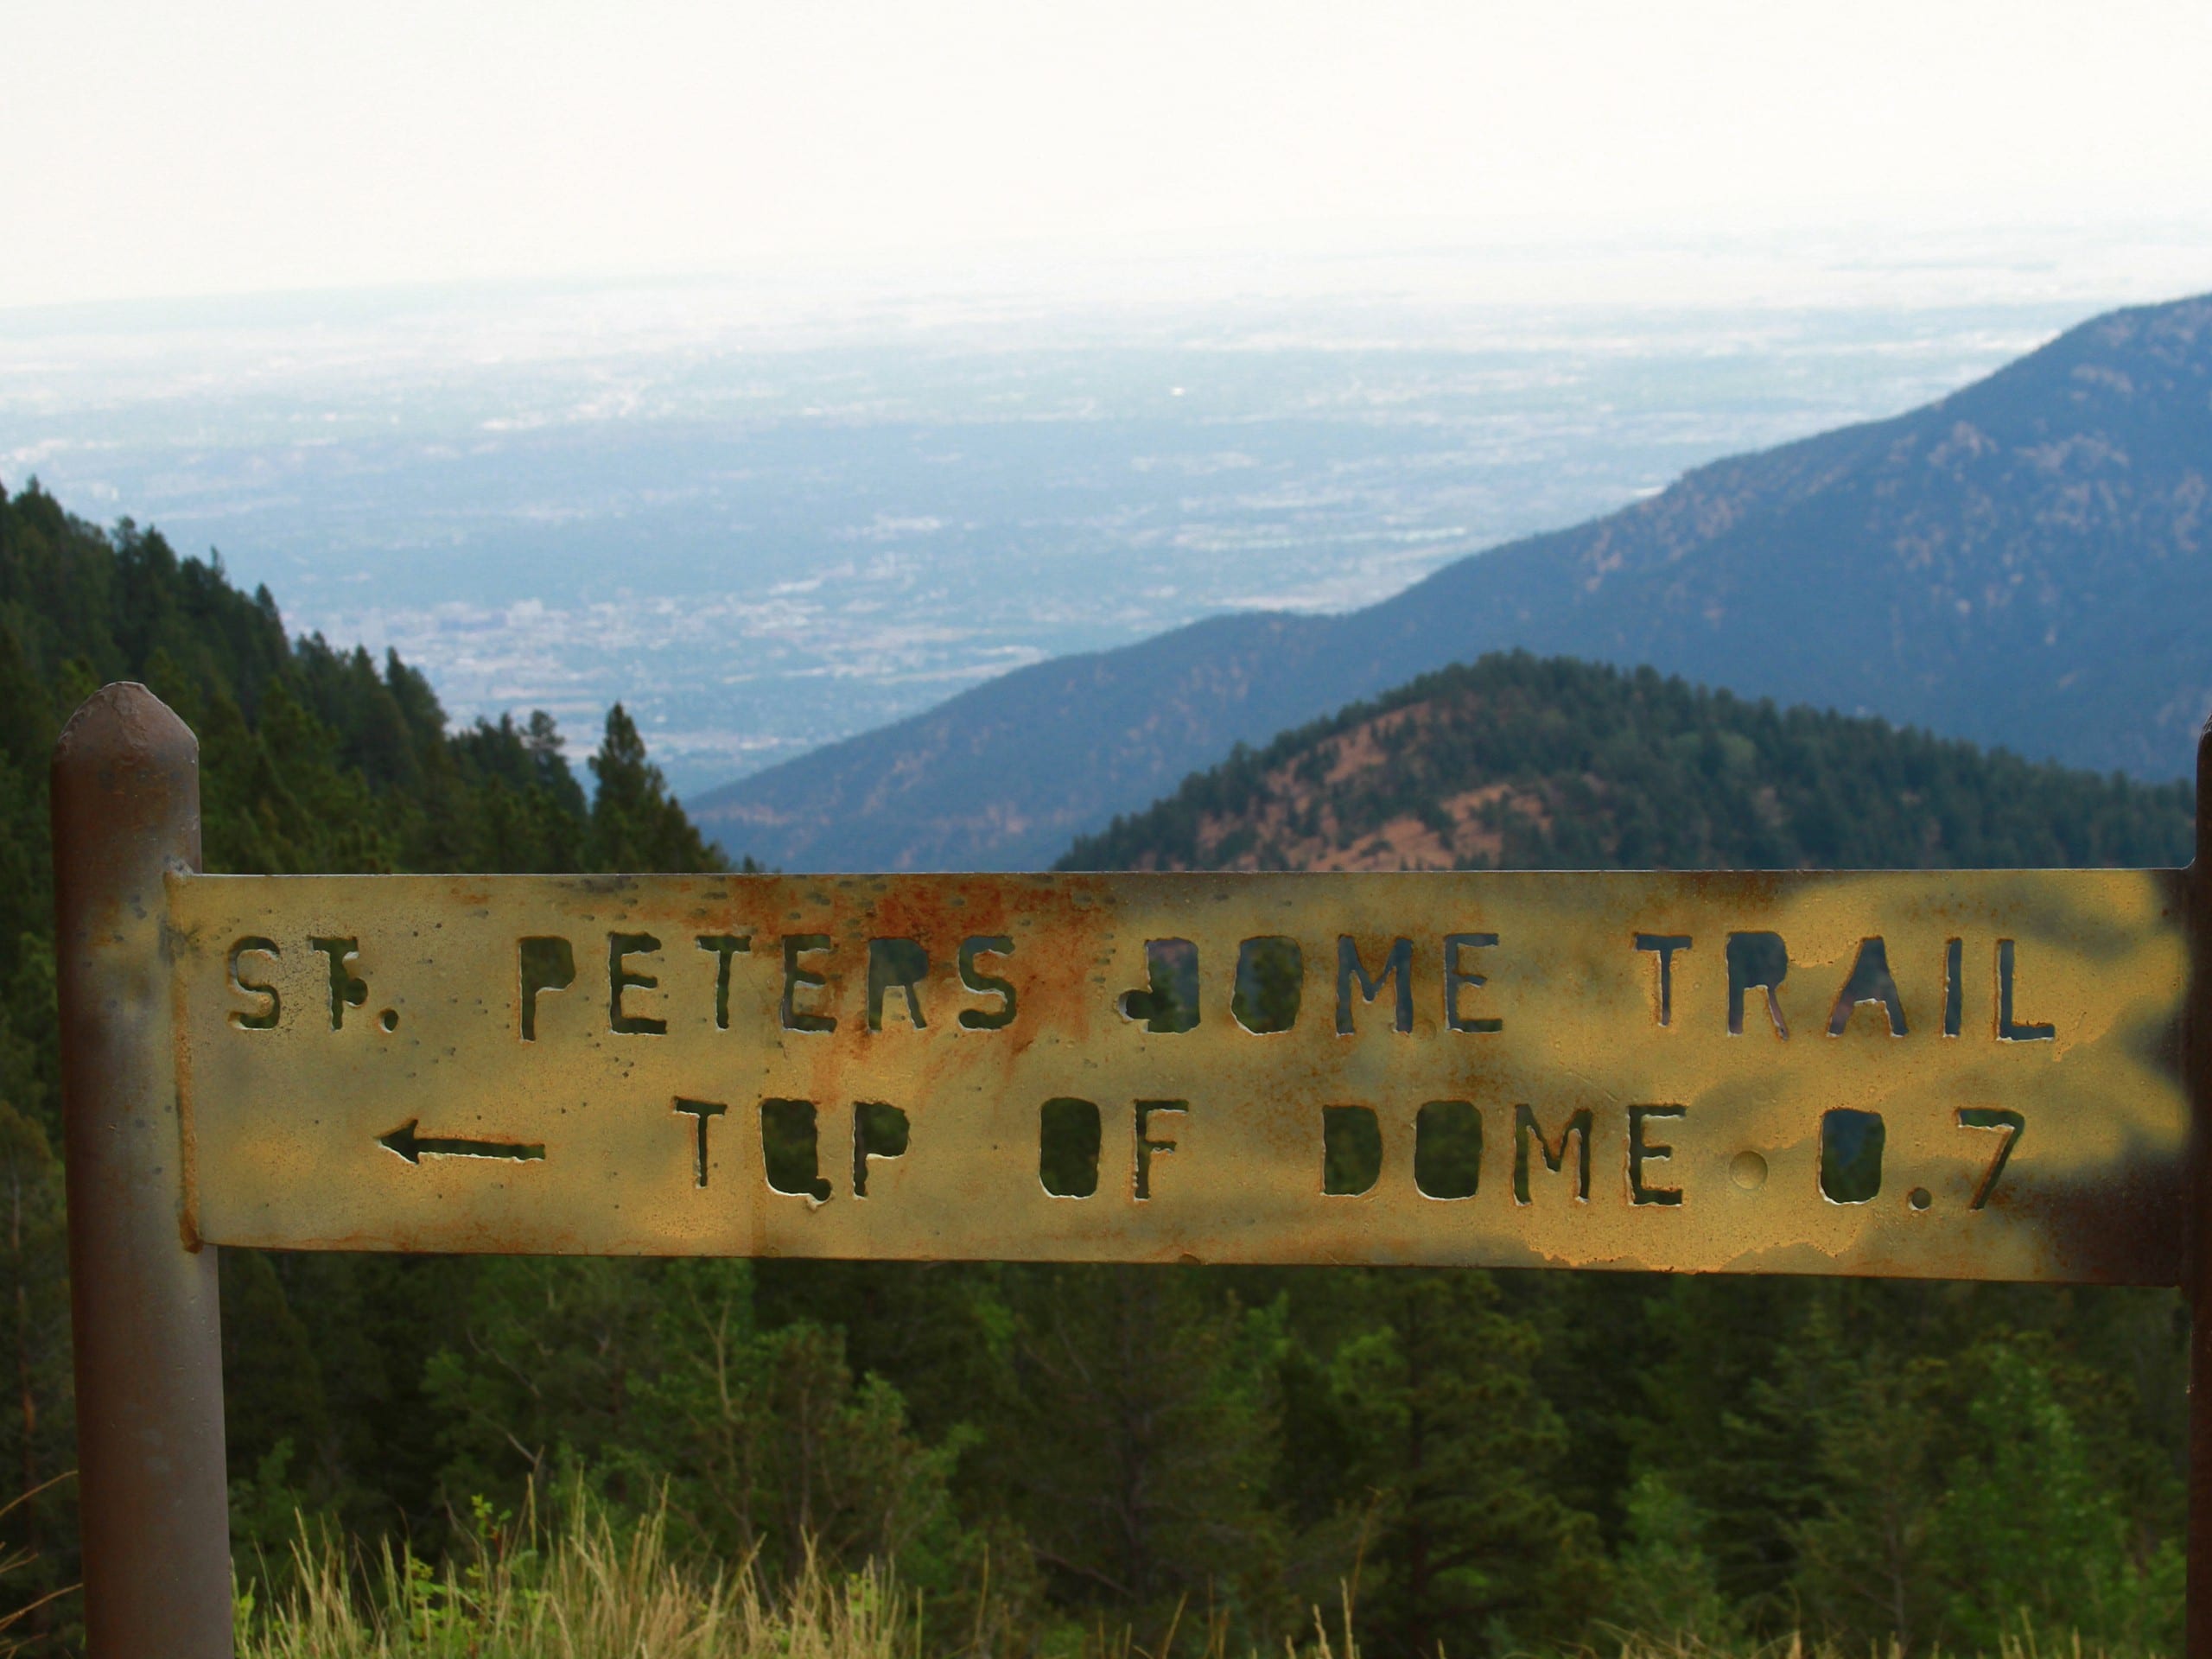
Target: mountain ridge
(1520, 762)
(2014, 563)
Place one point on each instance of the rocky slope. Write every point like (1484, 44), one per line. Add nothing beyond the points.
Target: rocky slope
(1519, 762)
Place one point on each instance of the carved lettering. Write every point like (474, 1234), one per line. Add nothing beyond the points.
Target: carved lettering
(1170, 1002)
(1068, 1140)
(724, 945)
(1641, 1150)
(1351, 1151)
(1851, 1155)
(975, 979)
(1993, 1117)
(1148, 1148)
(789, 1153)
(878, 1131)
(1525, 1129)
(1448, 1150)
(1456, 977)
(620, 947)
(263, 1018)
(347, 991)
(544, 964)
(1397, 966)
(1757, 961)
(701, 1110)
(797, 979)
(900, 965)
(2010, 1029)
(1868, 981)
(1270, 984)
(1664, 945)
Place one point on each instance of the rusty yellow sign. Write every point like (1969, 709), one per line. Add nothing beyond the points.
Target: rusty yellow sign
(1920, 1074)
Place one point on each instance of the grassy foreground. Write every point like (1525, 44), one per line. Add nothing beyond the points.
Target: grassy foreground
(588, 1589)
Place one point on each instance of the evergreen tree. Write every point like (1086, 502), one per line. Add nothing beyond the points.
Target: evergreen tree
(635, 823)
(2029, 1536)
(1866, 1418)
(1722, 1422)
(1136, 1445)
(312, 758)
(1474, 1552)
(1665, 1585)
(653, 1380)
(770, 1446)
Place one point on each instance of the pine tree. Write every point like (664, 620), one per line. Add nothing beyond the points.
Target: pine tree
(1472, 1549)
(636, 825)
(1868, 1415)
(769, 1447)
(2028, 1532)
(1135, 1446)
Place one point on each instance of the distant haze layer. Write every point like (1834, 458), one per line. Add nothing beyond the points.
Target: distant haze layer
(764, 536)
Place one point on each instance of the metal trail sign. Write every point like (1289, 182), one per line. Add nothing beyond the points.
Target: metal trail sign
(1934, 1075)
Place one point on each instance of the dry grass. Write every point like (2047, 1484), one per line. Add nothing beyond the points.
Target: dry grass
(586, 1589)
(590, 1589)
(2028, 1645)
(15, 1564)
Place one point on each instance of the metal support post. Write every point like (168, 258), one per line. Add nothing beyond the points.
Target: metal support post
(148, 1356)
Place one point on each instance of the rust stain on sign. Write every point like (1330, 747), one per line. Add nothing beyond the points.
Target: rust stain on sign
(1953, 1074)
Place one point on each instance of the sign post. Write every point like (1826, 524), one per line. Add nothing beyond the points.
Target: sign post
(151, 1485)
(1914, 1074)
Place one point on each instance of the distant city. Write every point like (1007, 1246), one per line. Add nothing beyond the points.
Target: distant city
(764, 537)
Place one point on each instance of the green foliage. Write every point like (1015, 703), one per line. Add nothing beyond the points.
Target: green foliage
(1134, 1442)
(655, 1379)
(2028, 1531)
(312, 758)
(37, 1428)
(635, 823)
(1665, 1585)
(1592, 767)
(545, 1374)
(1873, 1474)
(1474, 1551)
(1933, 1464)
(1937, 1465)
(1487, 1463)
(777, 1449)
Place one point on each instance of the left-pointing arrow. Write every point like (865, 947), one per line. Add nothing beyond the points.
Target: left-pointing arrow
(415, 1147)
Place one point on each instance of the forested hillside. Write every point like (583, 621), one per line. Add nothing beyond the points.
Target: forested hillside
(1071, 1459)
(312, 758)
(2016, 563)
(1515, 762)
(1927, 1461)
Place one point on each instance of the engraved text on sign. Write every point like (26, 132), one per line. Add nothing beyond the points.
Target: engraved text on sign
(1933, 1074)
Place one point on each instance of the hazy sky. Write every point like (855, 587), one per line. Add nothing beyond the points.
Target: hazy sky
(155, 150)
